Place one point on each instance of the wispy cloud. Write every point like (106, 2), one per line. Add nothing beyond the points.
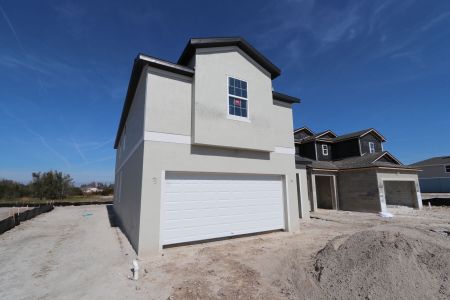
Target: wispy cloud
(37, 135)
(435, 21)
(12, 28)
(316, 28)
(77, 148)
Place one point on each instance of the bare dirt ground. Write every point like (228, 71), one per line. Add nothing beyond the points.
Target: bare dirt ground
(74, 253)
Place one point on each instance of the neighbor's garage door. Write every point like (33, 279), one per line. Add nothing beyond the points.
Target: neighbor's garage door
(205, 206)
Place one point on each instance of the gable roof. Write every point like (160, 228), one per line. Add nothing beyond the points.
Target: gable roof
(358, 162)
(140, 62)
(304, 128)
(358, 134)
(284, 98)
(180, 68)
(321, 134)
(195, 43)
(438, 160)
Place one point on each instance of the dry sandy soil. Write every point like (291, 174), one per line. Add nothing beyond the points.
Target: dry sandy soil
(6, 212)
(74, 253)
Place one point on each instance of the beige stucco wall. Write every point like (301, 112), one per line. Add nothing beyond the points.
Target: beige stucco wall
(134, 126)
(128, 171)
(169, 102)
(211, 123)
(173, 108)
(161, 157)
(128, 204)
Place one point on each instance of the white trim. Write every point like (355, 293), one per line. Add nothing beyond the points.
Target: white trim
(324, 150)
(167, 137)
(238, 118)
(390, 155)
(284, 150)
(315, 146)
(371, 147)
(325, 132)
(376, 132)
(234, 117)
(141, 140)
(360, 149)
(303, 128)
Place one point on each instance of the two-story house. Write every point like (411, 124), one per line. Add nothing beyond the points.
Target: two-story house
(205, 148)
(435, 175)
(353, 172)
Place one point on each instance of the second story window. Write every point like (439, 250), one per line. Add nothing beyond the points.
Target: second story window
(237, 98)
(371, 147)
(325, 150)
(447, 169)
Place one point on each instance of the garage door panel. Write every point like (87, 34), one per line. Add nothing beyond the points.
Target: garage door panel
(231, 201)
(232, 223)
(204, 213)
(188, 234)
(205, 206)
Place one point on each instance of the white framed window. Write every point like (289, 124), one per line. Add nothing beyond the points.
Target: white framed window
(371, 147)
(325, 150)
(447, 169)
(237, 98)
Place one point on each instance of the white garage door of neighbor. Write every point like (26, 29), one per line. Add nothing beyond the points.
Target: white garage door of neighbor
(199, 206)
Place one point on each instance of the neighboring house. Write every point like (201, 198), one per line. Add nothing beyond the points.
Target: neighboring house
(435, 175)
(353, 172)
(205, 148)
(91, 190)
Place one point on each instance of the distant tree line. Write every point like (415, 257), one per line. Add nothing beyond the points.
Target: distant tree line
(50, 185)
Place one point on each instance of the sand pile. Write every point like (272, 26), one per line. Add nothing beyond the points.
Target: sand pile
(384, 265)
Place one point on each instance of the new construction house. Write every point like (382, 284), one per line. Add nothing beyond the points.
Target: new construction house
(205, 150)
(353, 172)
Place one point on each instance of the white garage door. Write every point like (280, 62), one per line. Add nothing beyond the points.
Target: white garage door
(205, 206)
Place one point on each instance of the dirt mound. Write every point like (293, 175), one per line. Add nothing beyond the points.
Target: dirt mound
(384, 265)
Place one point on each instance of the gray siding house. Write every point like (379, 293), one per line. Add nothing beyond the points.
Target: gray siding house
(435, 175)
(205, 148)
(353, 172)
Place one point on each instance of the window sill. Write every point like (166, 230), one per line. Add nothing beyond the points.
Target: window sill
(236, 118)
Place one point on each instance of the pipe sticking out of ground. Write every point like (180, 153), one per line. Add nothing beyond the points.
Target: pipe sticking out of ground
(135, 270)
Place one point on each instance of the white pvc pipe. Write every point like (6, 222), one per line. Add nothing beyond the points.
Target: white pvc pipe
(135, 269)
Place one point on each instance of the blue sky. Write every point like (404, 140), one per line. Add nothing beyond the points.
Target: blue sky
(65, 66)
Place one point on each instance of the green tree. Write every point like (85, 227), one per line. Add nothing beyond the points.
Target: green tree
(51, 185)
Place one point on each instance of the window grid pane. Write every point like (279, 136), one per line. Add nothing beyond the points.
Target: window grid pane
(237, 87)
(237, 107)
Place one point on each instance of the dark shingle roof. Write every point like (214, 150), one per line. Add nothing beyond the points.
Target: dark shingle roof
(357, 134)
(181, 67)
(339, 138)
(439, 160)
(357, 162)
(195, 43)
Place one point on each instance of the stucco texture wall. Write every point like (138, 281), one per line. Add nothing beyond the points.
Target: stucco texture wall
(192, 158)
(267, 127)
